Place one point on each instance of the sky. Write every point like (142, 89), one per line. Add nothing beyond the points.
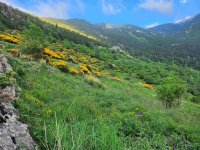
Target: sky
(143, 13)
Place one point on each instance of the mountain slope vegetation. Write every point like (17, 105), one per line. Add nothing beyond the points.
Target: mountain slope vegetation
(80, 93)
(171, 42)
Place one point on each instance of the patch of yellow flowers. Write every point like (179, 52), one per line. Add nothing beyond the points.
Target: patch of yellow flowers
(51, 53)
(59, 63)
(84, 69)
(98, 74)
(116, 79)
(148, 86)
(10, 38)
(74, 71)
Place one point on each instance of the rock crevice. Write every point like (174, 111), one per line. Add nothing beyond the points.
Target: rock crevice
(13, 134)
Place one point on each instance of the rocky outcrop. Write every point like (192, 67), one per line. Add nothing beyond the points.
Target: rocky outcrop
(13, 134)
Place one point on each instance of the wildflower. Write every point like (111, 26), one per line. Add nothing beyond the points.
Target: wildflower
(51, 53)
(84, 69)
(98, 74)
(74, 71)
(59, 63)
(148, 86)
(117, 79)
(10, 38)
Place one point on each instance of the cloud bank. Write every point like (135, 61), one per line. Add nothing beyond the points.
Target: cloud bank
(164, 6)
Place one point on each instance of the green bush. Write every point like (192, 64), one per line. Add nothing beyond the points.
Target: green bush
(33, 41)
(170, 92)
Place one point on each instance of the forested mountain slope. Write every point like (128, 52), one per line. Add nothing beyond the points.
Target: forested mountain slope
(178, 43)
(11, 18)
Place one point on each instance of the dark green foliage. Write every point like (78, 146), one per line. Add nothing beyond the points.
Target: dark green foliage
(171, 92)
(33, 41)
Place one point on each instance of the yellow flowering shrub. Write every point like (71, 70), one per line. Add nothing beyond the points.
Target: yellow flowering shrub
(116, 79)
(98, 74)
(74, 71)
(84, 69)
(148, 86)
(51, 53)
(59, 63)
(62, 65)
(10, 38)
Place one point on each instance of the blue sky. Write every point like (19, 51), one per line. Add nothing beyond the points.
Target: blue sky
(144, 13)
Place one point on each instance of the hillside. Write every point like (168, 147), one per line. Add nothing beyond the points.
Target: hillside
(11, 18)
(82, 93)
(180, 45)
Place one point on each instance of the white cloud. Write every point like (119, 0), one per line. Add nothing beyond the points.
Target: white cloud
(183, 1)
(183, 19)
(111, 7)
(152, 25)
(50, 8)
(164, 6)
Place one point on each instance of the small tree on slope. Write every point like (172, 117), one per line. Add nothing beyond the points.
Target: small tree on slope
(33, 41)
(171, 92)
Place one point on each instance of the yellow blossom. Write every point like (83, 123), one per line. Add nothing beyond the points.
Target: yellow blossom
(10, 38)
(74, 71)
(51, 53)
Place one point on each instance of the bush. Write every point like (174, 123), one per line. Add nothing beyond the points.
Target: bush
(171, 92)
(33, 41)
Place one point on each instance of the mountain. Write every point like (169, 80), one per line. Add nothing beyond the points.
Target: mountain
(170, 42)
(127, 36)
(173, 28)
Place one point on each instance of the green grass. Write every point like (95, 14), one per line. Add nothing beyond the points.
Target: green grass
(66, 112)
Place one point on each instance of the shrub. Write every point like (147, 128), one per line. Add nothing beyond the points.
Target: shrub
(61, 65)
(33, 41)
(74, 71)
(98, 74)
(51, 53)
(196, 99)
(171, 92)
(148, 86)
(10, 38)
(84, 69)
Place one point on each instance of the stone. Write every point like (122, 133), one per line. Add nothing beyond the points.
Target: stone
(13, 134)
(4, 66)
(7, 94)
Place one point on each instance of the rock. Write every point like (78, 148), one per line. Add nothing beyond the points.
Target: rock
(7, 94)
(13, 134)
(4, 66)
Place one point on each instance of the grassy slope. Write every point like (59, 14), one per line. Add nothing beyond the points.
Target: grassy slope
(68, 27)
(120, 116)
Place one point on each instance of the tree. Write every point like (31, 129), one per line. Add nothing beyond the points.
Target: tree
(171, 92)
(33, 41)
